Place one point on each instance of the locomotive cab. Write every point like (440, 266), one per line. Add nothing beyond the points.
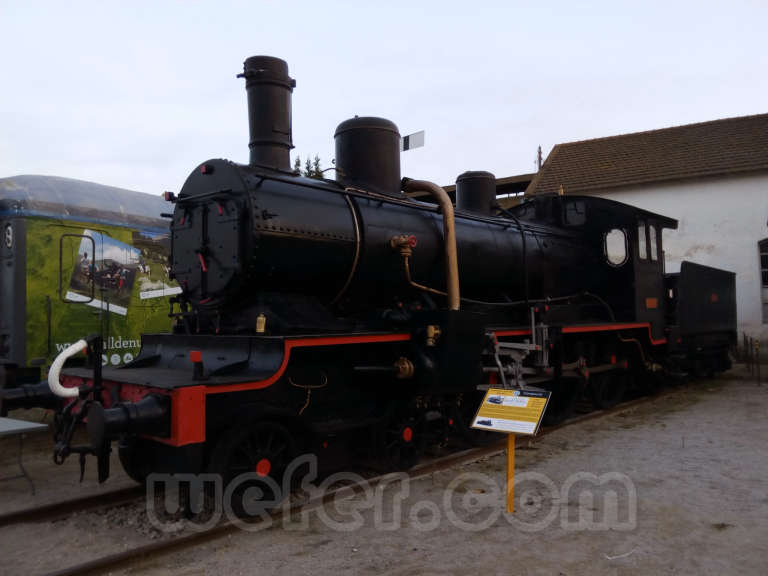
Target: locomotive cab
(622, 258)
(633, 263)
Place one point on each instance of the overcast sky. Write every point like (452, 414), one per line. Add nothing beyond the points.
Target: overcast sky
(136, 94)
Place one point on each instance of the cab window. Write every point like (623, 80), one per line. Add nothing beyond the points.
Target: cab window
(642, 251)
(652, 237)
(615, 246)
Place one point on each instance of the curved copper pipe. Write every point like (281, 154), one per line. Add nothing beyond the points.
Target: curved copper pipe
(449, 235)
(416, 284)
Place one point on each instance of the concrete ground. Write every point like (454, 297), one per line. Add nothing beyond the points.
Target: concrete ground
(672, 486)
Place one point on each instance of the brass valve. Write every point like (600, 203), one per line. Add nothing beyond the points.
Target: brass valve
(403, 243)
(404, 368)
(433, 333)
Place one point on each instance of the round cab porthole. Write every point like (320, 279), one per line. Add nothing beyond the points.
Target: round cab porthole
(615, 246)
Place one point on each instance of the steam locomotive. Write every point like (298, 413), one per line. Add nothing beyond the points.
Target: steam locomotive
(320, 313)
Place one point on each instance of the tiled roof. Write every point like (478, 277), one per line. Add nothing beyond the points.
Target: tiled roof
(727, 146)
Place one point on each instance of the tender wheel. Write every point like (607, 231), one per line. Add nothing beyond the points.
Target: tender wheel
(261, 451)
(607, 389)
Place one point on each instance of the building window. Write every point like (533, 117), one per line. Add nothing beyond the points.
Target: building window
(642, 250)
(763, 246)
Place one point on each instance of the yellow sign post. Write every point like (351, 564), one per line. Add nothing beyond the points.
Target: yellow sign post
(510, 473)
(512, 412)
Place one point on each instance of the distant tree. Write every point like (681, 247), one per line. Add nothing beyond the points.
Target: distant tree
(312, 168)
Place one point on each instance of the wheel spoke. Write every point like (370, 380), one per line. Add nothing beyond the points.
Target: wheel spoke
(250, 450)
(270, 439)
(277, 451)
(248, 455)
(264, 449)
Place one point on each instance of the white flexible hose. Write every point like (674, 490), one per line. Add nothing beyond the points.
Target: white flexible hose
(58, 364)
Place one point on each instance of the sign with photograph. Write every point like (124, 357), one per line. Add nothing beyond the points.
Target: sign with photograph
(512, 411)
(115, 267)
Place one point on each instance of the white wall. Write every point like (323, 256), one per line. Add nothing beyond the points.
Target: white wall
(721, 221)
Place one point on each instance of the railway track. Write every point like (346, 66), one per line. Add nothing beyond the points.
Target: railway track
(130, 557)
(57, 510)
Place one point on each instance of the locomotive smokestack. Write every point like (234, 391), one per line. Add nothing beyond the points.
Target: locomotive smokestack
(269, 111)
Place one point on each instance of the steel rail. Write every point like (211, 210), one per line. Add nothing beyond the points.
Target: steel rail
(56, 510)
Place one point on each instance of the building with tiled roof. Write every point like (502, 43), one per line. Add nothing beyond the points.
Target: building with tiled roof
(711, 176)
(731, 146)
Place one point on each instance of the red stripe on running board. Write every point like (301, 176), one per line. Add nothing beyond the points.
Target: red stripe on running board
(614, 327)
(188, 404)
(511, 332)
(306, 343)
